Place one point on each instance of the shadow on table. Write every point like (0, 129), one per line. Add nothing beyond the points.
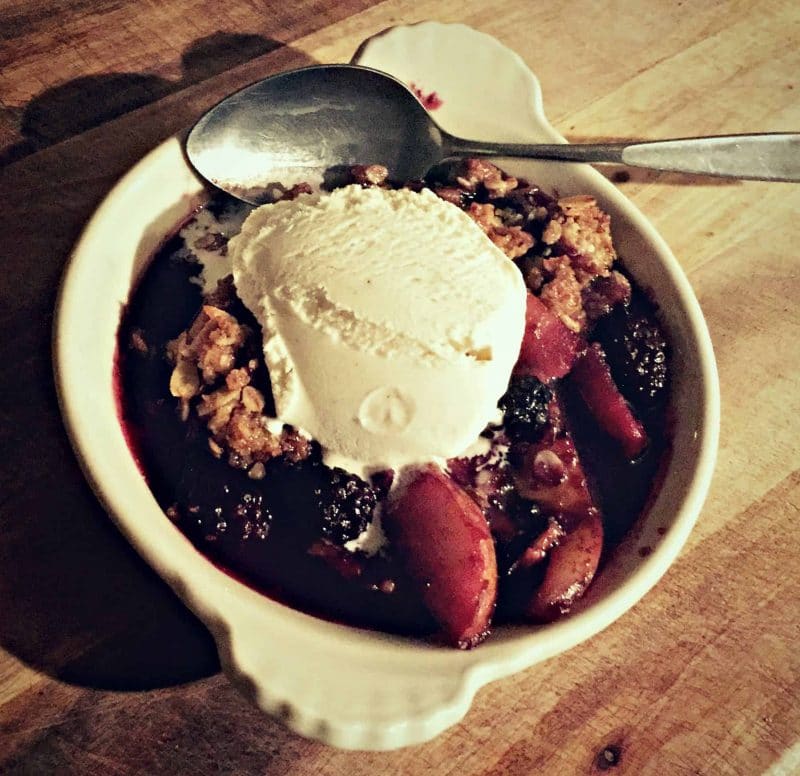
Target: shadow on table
(83, 103)
(76, 601)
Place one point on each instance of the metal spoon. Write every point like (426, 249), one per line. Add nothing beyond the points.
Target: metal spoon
(310, 125)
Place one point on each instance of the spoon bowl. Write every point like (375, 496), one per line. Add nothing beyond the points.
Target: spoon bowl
(309, 126)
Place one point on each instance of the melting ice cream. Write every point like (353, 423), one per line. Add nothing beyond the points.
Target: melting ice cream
(391, 322)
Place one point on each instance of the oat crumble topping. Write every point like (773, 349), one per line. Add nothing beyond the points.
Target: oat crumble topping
(579, 232)
(369, 174)
(477, 172)
(512, 240)
(562, 292)
(233, 411)
(564, 246)
(210, 344)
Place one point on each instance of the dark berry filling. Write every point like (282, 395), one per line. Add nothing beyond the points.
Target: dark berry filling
(554, 464)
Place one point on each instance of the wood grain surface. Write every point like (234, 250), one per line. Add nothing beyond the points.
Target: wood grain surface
(102, 671)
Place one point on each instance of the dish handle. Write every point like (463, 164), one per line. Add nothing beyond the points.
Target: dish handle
(351, 689)
(461, 58)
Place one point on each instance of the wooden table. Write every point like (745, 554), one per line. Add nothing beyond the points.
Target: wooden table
(103, 671)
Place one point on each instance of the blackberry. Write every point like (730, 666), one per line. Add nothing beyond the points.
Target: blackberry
(346, 504)
(637, 353)
(221, 505)
(524, 408)
(232, 516)
(250, 518)
(229, 515)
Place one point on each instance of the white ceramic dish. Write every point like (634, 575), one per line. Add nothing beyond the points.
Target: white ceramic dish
(348, 687)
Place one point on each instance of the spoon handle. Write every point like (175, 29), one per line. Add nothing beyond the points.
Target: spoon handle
(763, 157)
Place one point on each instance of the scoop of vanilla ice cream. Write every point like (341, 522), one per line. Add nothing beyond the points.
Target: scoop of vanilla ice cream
(391, 322)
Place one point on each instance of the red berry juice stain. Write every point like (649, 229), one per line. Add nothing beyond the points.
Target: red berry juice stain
(430, 101)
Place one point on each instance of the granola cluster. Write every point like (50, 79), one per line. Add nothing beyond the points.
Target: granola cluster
(479, 172)
(582, 231)
(369, 174)
(205, 376)
(563, 246)
(512, 240)
(204, 352)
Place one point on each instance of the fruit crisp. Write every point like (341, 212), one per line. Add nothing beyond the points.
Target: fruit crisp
(512, 530)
